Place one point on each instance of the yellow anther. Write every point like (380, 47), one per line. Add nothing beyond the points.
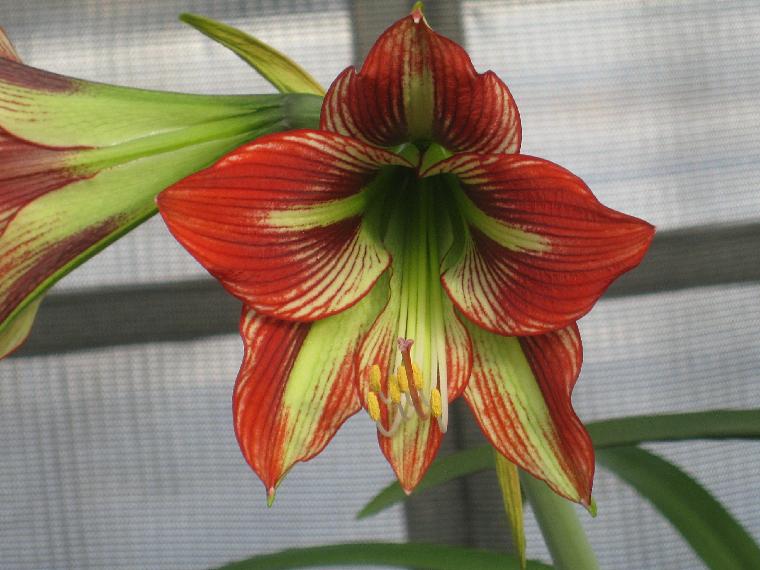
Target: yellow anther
(417, 377)
(373, 406)
(403, 382)
(435, 403)
(394, 393)
(374, 378)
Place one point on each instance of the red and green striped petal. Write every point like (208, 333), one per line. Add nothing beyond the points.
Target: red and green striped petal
(540, 249)
(279, 222)
(520, 393)
(296, 386)
(417, 85)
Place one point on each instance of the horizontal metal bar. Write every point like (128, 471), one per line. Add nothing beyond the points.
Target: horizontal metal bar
(695, 257)
(70, 321)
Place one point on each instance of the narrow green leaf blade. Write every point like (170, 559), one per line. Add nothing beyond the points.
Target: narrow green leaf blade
(711, 531)
(715, 424)
(282, 72)
(718, 424)
(456, 465)
(420, 556)
(509, 483)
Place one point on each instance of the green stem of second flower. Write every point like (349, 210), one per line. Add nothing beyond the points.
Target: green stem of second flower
(560, 526)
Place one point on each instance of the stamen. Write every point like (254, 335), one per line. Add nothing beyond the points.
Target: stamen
(374, 379)
(373, 407)
(403, 382)
(417, 377)
(393, 390)
(435, 403)
(393, 429)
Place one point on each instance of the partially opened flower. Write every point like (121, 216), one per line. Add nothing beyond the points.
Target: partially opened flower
(82, 162)
(400, 257)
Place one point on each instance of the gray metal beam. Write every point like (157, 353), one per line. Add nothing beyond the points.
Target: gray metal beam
(693, 257)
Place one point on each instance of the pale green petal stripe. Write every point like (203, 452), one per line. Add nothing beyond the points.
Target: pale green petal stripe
(505, 235)
(504, 390)
(327, 352)
(320, 215)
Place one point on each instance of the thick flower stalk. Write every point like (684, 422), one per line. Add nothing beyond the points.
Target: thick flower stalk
(81, 164)
(400, 257)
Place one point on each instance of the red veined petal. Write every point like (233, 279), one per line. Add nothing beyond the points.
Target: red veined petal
(416, 84)
(296, 386)
(520, 394)
(279, 222)
(29, 170)
(540, 250)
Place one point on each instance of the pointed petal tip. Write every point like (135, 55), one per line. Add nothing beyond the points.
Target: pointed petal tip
(417, 12)
(7, 51)
(270, 496)
(590, 505)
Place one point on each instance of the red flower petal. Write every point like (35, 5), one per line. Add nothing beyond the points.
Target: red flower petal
(296, 386)
(278, 221)
(540, 249)
(416, 84)
(520, 394)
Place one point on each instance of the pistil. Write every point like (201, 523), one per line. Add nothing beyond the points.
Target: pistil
(404, 346)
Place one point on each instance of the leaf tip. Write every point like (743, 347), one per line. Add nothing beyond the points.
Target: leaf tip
(364, 513)
(189, 17)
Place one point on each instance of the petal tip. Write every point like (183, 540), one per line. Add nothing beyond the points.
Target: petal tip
(417, 12)
(590, 505)
(271, 492)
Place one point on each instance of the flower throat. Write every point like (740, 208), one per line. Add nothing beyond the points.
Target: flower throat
(417, 233)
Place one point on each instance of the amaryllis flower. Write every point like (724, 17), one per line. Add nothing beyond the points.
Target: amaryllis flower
(81, 164)
(400, 257)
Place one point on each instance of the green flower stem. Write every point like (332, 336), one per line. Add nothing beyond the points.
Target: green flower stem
(560, 526)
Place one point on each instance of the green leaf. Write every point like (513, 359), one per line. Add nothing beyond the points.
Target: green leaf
(718, 424)
(715, 424)
(711, 531)
(451, 467)
(509, 483)
(282, 72)
(421, 556)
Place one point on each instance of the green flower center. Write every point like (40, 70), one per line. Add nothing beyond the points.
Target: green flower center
(415, 218)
